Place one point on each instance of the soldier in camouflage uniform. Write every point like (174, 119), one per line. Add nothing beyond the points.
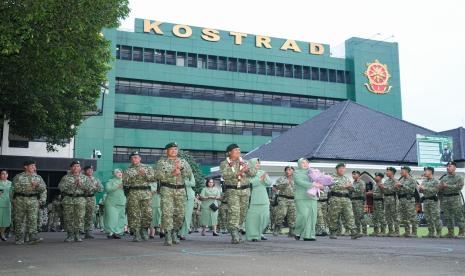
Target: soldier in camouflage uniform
(340, 204)
(430, 189)
(286, 204)
(391, 203)
(137, 179)
(73, 187)
(450, 188)
(91, 204)
(172, 172)
(196, 213)
(236, 173)
(379, 222)
(223, 215)
(322, 223)
(405, 190)
(29, 191)
(357, 196)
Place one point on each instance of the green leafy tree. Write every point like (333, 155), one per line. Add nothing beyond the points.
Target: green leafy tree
(53, 63)
(196, 170)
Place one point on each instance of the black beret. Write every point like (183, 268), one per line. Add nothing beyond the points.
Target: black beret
(392, 169)
(379, 174)
(288, 167)
(75, 162)
(171, 145)
(231, 147)
(407, 168)
(452, 163)
(88, 167)
(29, 162)
(356, 172)
(340, 165)
(134, 153)
(429, 168)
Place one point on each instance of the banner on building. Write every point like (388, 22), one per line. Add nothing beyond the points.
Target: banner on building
(434, 151)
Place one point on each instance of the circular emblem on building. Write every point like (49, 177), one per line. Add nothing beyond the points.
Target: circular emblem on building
(378, 78)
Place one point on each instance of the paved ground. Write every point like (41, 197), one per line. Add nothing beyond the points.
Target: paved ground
(216, 256)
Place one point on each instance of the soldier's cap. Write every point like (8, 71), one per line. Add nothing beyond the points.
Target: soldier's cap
(231, 147)
(171, 145)
(340, 165)
(356, 172)
(429, 169)
(88, 167)
(392, 169)
(134, 153)
(75, 162)
(379, 174)
(452, 163)
(28, 162)
(289, 167)
(407, 168)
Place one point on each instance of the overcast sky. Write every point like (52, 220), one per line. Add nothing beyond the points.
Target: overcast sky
(431, 39)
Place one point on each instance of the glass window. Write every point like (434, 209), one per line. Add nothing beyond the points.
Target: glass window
(306, 72)
(148, 55)
(212, 62)
(222, 63)
(192, 60)
(279, 69)
(270, 70)
(332, 75)
(288, 70)
(181, 59)
(202, 61)
(232, 64)
(297, 71)
(171, 57)
(137, 54)
(126, 52)
(251, 66)
(261, 69)
(340, 76)
(242, 65)
(315, 73)
(323, 74)
(118, 51)
(160, 56)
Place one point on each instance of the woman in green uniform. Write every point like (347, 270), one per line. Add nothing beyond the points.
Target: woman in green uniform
(258, 215)
(5, 203)
(156, 212)
(306, 205)
(115, 206)
(186, 227)
(208, 216)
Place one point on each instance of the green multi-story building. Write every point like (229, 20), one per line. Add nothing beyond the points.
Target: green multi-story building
(207, 88)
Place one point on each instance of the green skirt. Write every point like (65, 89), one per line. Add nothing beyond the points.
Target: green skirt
(187, 217)
(306, 215)
(258, 218)
(5, 216)
(207, 216)
(114, 219)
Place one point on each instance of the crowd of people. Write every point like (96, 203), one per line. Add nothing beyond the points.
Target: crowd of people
(146, 201)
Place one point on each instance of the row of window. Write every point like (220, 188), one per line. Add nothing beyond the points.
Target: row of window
(151, 155)
(189, 124)
(231, 64)
(181, 91)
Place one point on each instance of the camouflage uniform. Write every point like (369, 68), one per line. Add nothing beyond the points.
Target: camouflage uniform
(357, 194)
(407, 205)
(139, 199)
(74, 204)
(223, 215)
(379, 221)
(91, 204)
(26, 201)
(55, 215)
(391, 207)
(322, 223)
(237, 194)
(431, 207)
(286, 205)
(451, 203)
(196, 214)
(340, 205)
(173, 196)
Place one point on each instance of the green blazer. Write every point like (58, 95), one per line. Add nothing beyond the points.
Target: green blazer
(259, 194)
(115, 195)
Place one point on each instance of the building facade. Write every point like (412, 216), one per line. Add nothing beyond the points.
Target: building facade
(206, 88)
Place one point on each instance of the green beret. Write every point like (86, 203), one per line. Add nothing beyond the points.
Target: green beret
(231, 147)
(134, 153)
(28, 162)
(340, 165)
(379, 174)
(171, 145)
(75, 162)
(407, 168)
(429, 169)
(452, 163)
(88, 167)
(392, 169)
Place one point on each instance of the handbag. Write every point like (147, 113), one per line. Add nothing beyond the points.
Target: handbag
(214, 207)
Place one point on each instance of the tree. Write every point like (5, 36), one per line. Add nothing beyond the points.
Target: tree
(53, 63)
(196, 170)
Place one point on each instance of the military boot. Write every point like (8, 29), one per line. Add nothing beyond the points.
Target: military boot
(168, 239)
(431, 233)
(461, 233)
(235, 237)
(87, 235)
(144, 234)
(354, 234)
(19, 240)
(33, 239)
(414, 231)
(397, 232)
(365, 230)
(137, 236)
(382, 233)
(174, 237)
(450, 234)
(291, 233)
(69, 237)
(407, 233)
(77, 237)
(375, 232)
(333, 235)
(276, 230)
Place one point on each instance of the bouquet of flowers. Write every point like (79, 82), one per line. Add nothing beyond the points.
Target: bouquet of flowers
(320, 177)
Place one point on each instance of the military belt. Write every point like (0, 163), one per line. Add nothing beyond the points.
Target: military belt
(139, 188)
(394, 194)
(449, 195)
(25, 195)
(358, 198)
(237, 188)
(322, 200)
(407, 196)
(435, 198)
(90, 195)
(74, 195)
(336, 194)
(285, 196)
(171, 186)
(378, 199)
